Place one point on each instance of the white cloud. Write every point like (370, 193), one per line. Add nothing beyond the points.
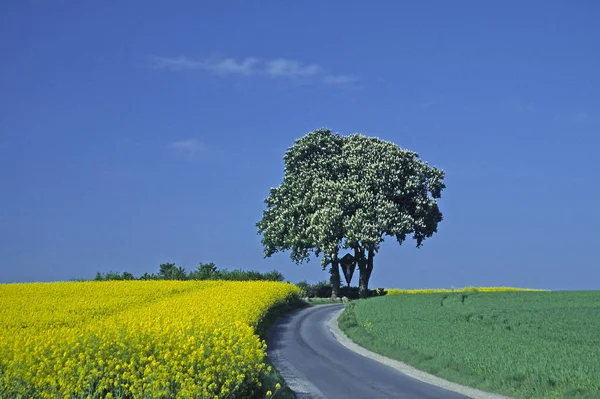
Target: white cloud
(220, 66)
(281, 67)
(229, 65)
(339, 79)
(277, 68)
(175, 63)
(188, 147)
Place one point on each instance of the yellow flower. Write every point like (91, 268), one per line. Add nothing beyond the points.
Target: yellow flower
(134, 338)
(396, 291)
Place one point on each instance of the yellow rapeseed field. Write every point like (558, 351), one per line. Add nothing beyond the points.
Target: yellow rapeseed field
(396, 291)
(133, 339)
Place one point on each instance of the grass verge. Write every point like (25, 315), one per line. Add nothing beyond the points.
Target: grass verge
(521, 344)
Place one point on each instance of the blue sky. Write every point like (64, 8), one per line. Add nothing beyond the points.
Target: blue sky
(136, 133)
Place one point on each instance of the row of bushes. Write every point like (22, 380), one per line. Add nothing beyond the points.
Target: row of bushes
(209, 271)
(205, 271)
(323, 289)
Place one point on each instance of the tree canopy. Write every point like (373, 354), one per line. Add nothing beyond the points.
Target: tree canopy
(349, 192)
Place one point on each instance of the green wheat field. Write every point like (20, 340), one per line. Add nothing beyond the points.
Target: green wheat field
(521, 344)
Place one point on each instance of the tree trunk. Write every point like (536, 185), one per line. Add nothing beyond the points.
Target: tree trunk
(363, 285)
(335, 279)
(365, 266)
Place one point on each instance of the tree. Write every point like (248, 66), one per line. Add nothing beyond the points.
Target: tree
(205, 271)
(273, 275)
(127, 276)
(299, 215)
(349, 192)
(169, 271)
(147, 276)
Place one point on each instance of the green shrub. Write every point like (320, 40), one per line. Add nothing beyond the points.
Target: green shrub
(205, 271)
(323, 289)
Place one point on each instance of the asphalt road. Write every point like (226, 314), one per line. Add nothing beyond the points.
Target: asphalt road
(316, 365)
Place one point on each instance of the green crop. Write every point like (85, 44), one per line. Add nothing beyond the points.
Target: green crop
(522, 344)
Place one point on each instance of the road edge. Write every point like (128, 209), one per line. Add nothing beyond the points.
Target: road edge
(295, 380)
(404, 368)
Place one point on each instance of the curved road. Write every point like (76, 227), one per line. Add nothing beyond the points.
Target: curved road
(316, 365)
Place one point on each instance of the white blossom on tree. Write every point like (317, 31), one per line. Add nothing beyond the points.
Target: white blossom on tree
(349, 192)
